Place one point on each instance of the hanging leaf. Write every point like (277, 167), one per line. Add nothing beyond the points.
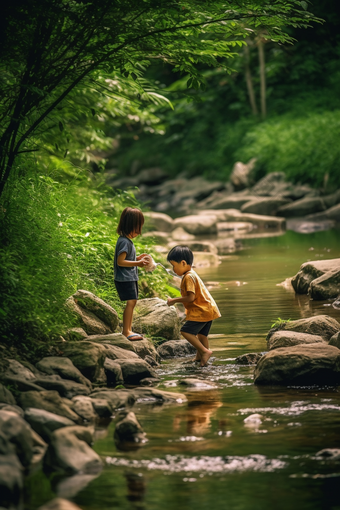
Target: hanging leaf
(61, 126)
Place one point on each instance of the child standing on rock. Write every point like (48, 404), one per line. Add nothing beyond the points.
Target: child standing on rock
(200, 307)
(126, 264)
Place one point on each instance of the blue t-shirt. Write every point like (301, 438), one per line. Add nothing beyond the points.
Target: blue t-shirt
(125, 274)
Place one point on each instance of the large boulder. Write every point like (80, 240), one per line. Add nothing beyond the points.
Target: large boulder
(17, 431)
(89, 321)
(312, 270)
(6, 396)
(290, 338)
(88, 357)
(63, 367)
(335, 340)
(330, 214)
(50, 401)
(94, 304)
(320, 325)
(326, 286)
(258, 220)
(146, 348)
(155, 318)
(197, 224)
(17, 369)
(158, 221)
(267, 205)
(113, 372)
(302, 207)
(70, 452)
(44, 422)
(115, 339)
(128, 430)
(20, 384)
(299, 365)
(175, 349)
(135, 370)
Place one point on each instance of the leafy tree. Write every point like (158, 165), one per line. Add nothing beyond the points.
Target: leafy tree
(51, 48)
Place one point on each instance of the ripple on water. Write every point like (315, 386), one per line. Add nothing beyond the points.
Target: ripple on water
(295, 409)
(203, 464)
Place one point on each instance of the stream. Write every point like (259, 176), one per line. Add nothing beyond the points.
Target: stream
(203, 454)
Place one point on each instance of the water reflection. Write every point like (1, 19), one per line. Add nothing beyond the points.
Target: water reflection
(202, 405)
(136, 487)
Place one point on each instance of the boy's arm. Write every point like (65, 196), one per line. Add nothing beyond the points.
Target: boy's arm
(189, 298)
(122, 262)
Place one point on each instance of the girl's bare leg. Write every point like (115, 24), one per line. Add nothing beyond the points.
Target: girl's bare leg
(202, 351)
(127, 317)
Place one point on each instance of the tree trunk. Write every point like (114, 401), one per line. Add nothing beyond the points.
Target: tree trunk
(249, 81)
(262, 63)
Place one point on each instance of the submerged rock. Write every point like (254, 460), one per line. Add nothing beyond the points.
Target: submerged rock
(290, 338)
(69, 452)
(250, 358)
(313, 364)
(200, 384)
(175, 349)
(128, 430)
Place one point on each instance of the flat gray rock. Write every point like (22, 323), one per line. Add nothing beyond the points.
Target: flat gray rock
(291, 338)
(135, 370)
(64, 387)
(319, 325)
(44, 423)
(63, 367)
(115, 339)
(50, 401)
(175, 349)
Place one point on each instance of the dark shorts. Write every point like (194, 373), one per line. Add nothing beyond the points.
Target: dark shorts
(197, 328)
(127, 290)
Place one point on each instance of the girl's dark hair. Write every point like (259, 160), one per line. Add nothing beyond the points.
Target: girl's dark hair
(179, 253)
(131, 220)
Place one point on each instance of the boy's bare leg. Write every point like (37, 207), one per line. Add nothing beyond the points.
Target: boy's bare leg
(127, 317)
(204, 341)
(201, 350)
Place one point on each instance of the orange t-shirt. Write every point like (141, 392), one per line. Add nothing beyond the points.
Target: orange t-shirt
(203, 308)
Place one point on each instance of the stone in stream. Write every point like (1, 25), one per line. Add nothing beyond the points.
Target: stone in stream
(145, 348)
(267, 206)
(64, 387)
(269, 184)
(128, 430)
(44, 423)
(83, 406)
(302, 207)
(200, 384)
(149, 395)
(197, 224)
(70, 452)
(102, 407)
(114, 339)
(59, 504)
(116, 398)
(315, 270)
(159, 221)
(155, 318)
(319, 325)
(250, 358)
(113, 372)
(309, 364)
(290, 338)
(204, 259)
(175, 349)
(260, 221)
(50, 401)
(88, 357)
(11, 476)
(329, 454)
(135, 370)
(181, 235)
(240, 176)
(335, 340)
(54, 365)
(330, 214)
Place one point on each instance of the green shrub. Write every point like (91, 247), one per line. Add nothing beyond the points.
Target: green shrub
(306, 148)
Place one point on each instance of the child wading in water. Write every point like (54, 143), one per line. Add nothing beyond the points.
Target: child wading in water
(200, 307)
(125, 265)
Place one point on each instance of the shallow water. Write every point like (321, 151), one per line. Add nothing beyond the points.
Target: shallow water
(203, 454)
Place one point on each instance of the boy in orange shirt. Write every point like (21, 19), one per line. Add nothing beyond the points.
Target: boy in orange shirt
(200, 307)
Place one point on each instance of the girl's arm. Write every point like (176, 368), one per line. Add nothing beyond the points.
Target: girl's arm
(141, 256)
(122, 262)
(189, 298)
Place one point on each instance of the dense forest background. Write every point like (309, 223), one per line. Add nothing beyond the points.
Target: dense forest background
(210, 130)
(74, 104)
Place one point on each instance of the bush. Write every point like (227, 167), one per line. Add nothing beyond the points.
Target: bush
(306, 149)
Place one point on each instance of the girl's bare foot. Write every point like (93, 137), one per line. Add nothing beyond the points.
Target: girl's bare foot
(205, 358)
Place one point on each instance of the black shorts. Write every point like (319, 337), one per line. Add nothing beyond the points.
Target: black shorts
(197, 328)
(127, 290)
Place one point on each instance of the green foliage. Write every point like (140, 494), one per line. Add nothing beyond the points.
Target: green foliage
(305, 148)
(55, 239)
(280, 323)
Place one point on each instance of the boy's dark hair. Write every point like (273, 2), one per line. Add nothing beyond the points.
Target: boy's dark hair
(131, 220)
(179, 253)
